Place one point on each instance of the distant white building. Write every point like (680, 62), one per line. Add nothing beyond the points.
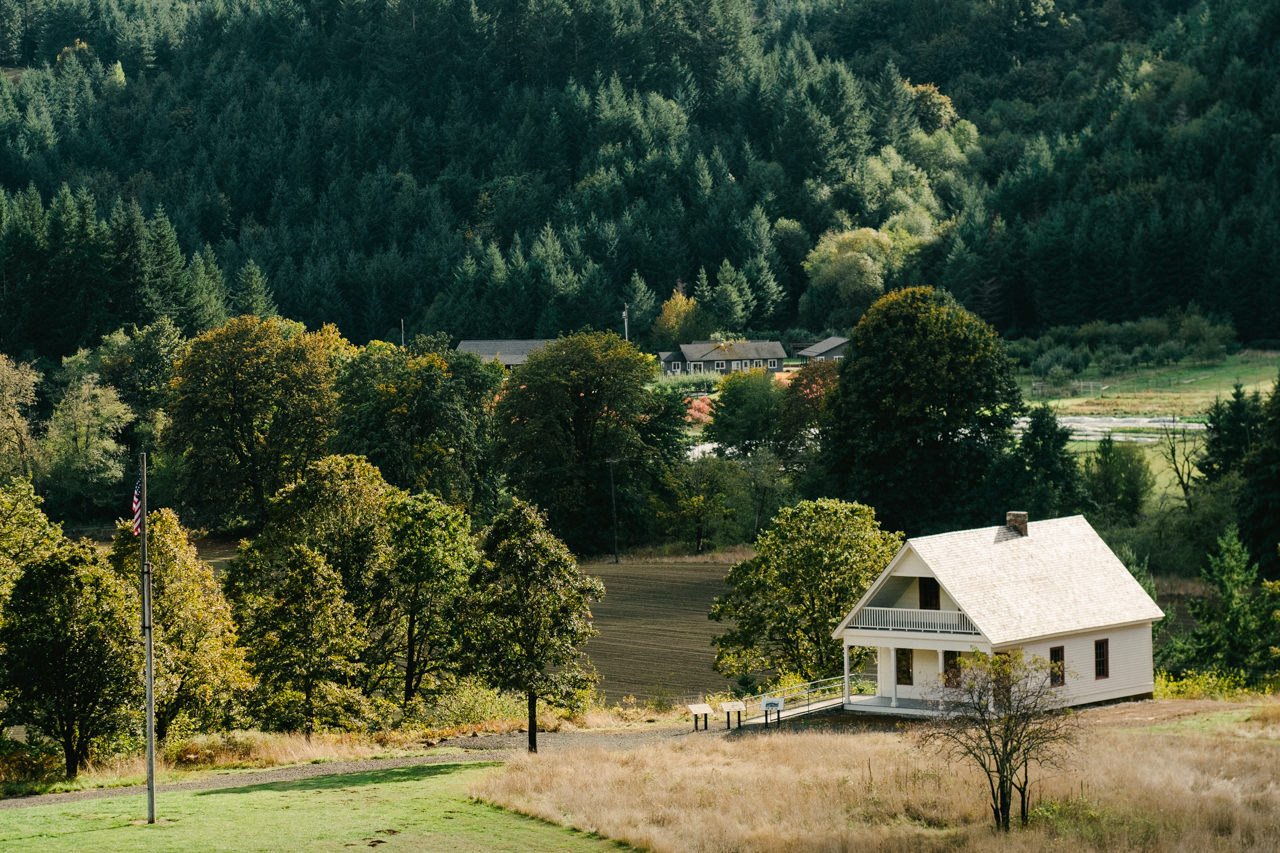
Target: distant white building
(1050, 588)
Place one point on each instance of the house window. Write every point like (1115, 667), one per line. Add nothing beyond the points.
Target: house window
(1101, 659)
(902, 663)
(950, 669)
(773, 362)
(929, 597)
(817, 358)
(737, 365)
(1057, 666)
(695, 367)
(675, 368)
(837, 358)
(719, 365)
(757, 363)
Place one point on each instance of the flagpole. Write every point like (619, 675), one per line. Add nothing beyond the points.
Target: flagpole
(150, 666)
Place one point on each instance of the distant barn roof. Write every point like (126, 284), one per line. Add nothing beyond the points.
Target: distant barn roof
(510, 353)
(822, 347)
(1060, 578)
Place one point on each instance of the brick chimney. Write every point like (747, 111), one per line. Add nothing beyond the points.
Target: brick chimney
(1017, 520)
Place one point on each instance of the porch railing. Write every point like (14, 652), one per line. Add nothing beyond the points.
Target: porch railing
(902, 619)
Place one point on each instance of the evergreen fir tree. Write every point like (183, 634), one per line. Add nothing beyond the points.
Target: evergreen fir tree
(252, 295)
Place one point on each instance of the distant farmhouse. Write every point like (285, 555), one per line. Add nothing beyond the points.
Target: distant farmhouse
(828, 349)
(723, 357)
(509, 353)
(1049, 588)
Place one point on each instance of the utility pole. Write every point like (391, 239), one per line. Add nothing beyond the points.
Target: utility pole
(150, 665)
(626, 328)
(613, 500)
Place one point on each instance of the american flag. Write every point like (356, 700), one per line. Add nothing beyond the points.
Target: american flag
(137, 508)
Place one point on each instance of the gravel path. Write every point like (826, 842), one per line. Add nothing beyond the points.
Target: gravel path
(476, 749)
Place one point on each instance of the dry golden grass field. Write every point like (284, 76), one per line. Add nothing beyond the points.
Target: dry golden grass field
(655, 637)
(1203, 778)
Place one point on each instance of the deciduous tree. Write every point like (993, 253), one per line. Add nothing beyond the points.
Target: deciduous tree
(925, 402)
(812, 564)
(304, 643)
(83, 453)
(846, 275)
(423, 416)
(577, 408)
(531, 613)
(71, 667)
(746, 412)
(1117, 480)
(252, 403)
(18, 450)
(434, 557)
(338, 512)
(1002, 713)
(25, 532)
(199, 665)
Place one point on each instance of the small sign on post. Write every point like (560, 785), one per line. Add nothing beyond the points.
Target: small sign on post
(728, 707)
(772, 703)
(703, 709)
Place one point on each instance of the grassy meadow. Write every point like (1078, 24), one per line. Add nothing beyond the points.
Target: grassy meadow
(1204, 781)
(408, 808)
(1180, 390)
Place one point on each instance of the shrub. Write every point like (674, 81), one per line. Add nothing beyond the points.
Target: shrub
(28, 762)
(1193, 684)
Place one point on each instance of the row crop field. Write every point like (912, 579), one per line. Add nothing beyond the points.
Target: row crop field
(655, 637)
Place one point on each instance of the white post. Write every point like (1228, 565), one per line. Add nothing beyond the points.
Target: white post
(942, 664)
(893, 668)
(846, 672)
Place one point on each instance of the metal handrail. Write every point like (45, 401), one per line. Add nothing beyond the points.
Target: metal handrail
(823, 688)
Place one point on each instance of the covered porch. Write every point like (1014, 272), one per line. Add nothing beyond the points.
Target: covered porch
(909, 667)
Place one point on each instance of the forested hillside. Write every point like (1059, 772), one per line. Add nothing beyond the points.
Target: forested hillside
(516, 169)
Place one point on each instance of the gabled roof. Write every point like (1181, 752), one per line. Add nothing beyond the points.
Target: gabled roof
(722, 350)
(822, 347)
(1060, 578)
(508, 352)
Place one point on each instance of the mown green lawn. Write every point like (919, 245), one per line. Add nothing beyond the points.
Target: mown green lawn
(408, 808)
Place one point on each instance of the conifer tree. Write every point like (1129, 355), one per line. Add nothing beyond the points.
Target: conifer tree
(252, 296)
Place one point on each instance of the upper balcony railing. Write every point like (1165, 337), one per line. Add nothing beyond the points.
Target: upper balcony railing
(901, 619)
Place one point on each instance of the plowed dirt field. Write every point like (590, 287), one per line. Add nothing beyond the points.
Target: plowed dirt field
(655, 637)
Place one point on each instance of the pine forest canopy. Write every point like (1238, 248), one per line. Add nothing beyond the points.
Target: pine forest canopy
(502, 169)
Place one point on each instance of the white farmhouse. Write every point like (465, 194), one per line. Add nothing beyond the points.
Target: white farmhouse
(1049, 588)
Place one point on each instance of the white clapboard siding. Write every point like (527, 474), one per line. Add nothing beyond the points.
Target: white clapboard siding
(1130, 658)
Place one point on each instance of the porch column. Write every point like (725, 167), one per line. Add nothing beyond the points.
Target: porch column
(942, 667)
(846, 672)
(893, 674)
